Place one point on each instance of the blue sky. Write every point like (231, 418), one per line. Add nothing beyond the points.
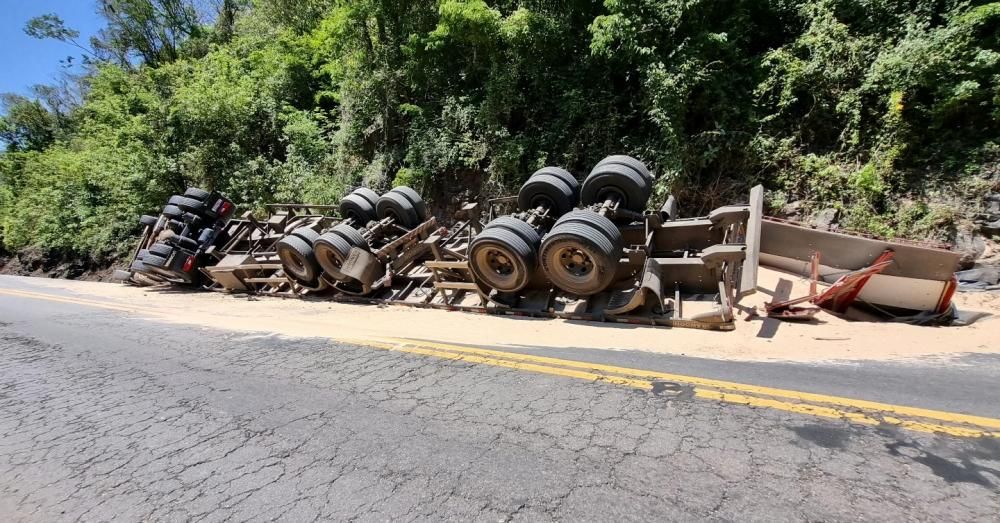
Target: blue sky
(25, 61)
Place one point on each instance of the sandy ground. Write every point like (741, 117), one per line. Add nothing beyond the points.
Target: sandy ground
(830, 339)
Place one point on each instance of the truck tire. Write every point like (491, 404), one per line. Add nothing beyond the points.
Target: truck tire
(148, 221)
(307, 234)
(397, 206)
(596, 221)
(357, 208)
(297, 258)
(172, 211)
(548, 190)
(353, 236)
(154, 260)
(565, 176)
(619, 180)
(197, 194)
(138, 266)
(629, 161)
(161, 249)
(518, 227)
(579, 259)
(415, 199)
(187, 204)
(369, 195)
(331, 249)
(500, 259)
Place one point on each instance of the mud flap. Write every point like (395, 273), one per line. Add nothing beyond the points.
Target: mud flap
(362, 267)
(651, 287)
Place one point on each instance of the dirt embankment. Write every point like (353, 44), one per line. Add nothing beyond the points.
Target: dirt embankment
(37, 263)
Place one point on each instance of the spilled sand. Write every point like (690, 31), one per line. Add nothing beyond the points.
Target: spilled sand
(758, 339)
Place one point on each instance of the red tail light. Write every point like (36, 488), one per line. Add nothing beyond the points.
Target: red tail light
(189, 264)
(225, 208)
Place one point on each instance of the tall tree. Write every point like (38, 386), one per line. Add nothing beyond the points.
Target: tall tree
(50, 25)
(150, 31)
(225, 19)
(26, 124)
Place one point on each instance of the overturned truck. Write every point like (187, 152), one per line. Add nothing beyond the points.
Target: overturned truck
(592, 251)
(559, 248)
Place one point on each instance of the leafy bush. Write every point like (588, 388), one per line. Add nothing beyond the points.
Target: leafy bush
(887, 111)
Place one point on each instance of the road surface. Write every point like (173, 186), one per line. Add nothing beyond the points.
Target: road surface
(108, 415)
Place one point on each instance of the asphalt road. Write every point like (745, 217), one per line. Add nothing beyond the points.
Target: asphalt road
(105, 416)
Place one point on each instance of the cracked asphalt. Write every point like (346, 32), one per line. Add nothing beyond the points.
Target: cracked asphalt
(104, 416)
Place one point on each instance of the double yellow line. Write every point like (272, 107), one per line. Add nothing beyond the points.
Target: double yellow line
(835, 407)
(852, 410)
(72, 300)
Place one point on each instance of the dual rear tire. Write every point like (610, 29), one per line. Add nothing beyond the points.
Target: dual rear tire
(328, 252)
(298, 259)
(305, 254)
(621, 178)
(550, 187)
(359, 206)
(505, 254)
(403, 204)
(581, 253)
(333, 247)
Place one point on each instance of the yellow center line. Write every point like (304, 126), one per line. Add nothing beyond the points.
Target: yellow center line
(509, 360)
(74, 301)
(950, 417)
(497, 362)
(820, 405)
(851, 416)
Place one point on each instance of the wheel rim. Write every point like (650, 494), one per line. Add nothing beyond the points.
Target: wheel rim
(499, 262)
(542, 199)
(294, 264)
(499, 267)
(613, 193)
(575, 262)
(572, 266)
(330, 260)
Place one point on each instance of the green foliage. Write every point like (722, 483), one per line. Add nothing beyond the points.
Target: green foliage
(468, 22)
(50, 25)
(27, 125)
(887, 111)
(152, 31)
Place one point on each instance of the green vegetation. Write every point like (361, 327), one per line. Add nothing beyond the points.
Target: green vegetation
(888, 111)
